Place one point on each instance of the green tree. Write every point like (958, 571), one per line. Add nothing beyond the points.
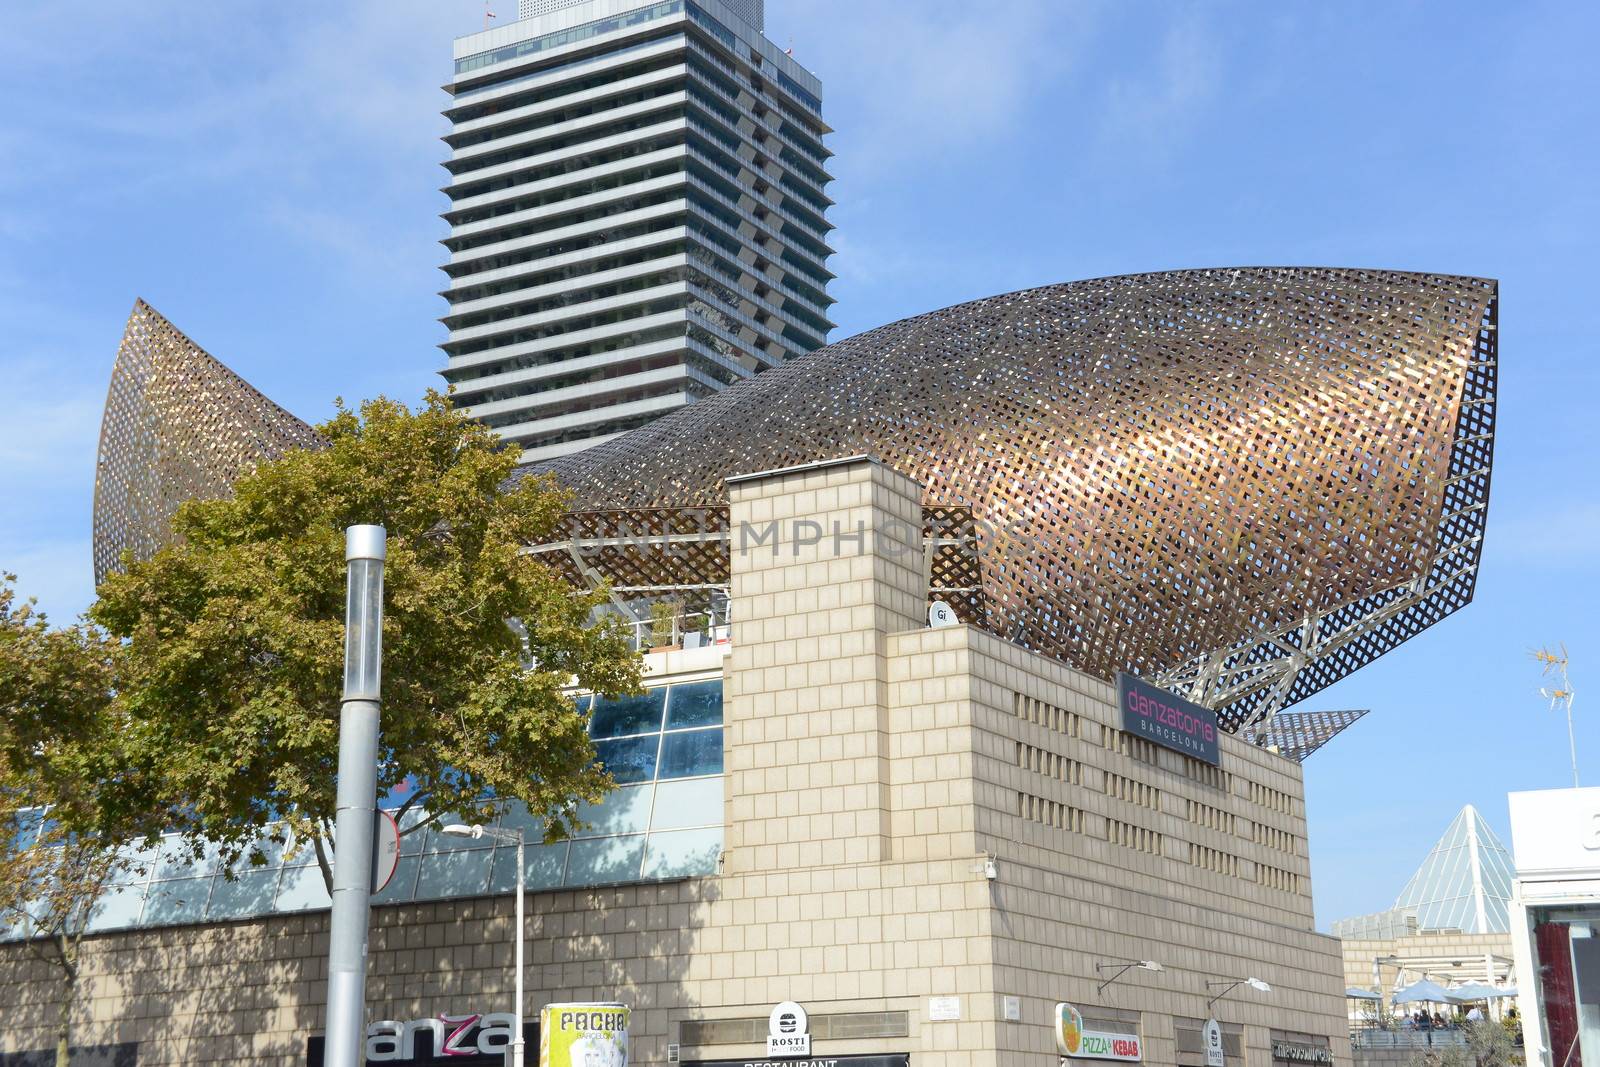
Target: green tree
(231, 657)
(58, 743)
(1488, 1044)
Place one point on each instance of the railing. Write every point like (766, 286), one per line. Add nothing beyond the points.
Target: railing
(690, 629)
(1373, 1037)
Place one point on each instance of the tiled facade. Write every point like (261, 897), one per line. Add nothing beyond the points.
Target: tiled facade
(872, 767)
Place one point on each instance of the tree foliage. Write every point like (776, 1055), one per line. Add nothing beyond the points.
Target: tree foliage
(58, 744)
(231, 661)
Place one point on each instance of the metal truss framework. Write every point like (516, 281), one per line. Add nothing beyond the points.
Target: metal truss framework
(1242, 484)
(178, 426)
(659, 554)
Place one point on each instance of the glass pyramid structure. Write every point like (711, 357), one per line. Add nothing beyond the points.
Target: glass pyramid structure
(1465, 883)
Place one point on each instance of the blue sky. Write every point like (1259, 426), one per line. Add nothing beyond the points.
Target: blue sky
(266, 174)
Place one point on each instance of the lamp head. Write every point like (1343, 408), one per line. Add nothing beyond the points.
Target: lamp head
(459, 829)
(1258, 985)
(1150, 965)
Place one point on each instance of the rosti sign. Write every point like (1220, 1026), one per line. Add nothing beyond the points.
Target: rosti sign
(1170, 721)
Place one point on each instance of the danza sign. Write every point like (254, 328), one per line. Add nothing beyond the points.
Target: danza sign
(464, 1039)
(1170, 721)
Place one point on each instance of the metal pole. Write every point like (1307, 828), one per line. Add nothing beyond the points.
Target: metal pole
(517, 1051)
(1572, 744)
(364, 551)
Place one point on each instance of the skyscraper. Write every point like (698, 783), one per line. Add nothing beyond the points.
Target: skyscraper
(637, 216)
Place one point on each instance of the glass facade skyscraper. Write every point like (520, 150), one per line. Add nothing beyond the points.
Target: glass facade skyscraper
(637, 215)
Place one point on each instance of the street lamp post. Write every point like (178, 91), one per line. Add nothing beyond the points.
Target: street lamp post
(364, 550)
(515, 834)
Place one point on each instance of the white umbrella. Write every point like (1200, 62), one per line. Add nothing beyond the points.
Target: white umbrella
(1362, 994)
(1481, 991)
(1431, 992)
(1475, 991)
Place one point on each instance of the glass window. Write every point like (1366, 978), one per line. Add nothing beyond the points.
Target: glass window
(271, 851)
(628, 715)
(605, 859)
(119, 907)
(683, 852)
(691, 753)
(545, 867)
(455, 873)
(140, 862)
(182, 900)
(696, 704)
(176, 860)
(403, 885)
(569, 36)
(632, 759)
(696, 802)
(248, 894)
(411, 839)
(624, 811)
(514, 816)
(302, 889)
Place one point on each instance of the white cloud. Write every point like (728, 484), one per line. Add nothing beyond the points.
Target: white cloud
(933, 76)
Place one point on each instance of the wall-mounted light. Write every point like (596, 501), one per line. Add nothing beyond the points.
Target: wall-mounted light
(1228, 985)
(1119, 967)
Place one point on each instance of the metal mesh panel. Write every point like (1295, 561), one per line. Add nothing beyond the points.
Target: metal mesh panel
(178, 425)
(1241, 483)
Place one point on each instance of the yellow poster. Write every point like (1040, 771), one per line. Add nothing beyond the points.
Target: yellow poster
(583, 1035)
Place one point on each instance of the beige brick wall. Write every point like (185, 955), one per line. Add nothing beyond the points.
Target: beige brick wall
(871, 764)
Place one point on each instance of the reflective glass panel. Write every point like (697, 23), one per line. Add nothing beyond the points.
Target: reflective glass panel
(628, 715)
(605, 859)
(546, 866)
(249, 894)
(180, 901)
(695, 802)
(682, 853)
(462, 873)
(695, 752)
(119, 907)
(301, 889)
(139, 863)
(404, 883)
(623, 811)
(696, 704)
(631, 759)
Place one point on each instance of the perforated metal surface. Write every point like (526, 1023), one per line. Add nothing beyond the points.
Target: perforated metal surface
(178, 425)
(1241, 484)
(1297, 734)
(1244, 483)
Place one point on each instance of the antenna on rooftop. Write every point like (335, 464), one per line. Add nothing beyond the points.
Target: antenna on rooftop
(1555, 666)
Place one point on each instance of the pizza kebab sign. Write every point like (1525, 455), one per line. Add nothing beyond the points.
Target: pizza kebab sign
(1077, 1041)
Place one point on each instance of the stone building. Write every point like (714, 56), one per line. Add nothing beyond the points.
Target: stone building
(929, 838)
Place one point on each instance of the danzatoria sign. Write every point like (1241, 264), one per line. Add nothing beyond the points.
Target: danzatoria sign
(1170, 721)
